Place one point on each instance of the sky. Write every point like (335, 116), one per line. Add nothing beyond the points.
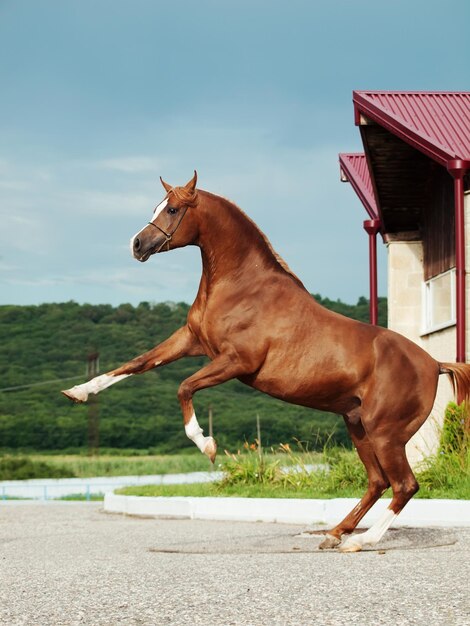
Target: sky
(100, 97)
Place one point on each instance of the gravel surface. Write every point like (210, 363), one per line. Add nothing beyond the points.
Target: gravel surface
(70, 563)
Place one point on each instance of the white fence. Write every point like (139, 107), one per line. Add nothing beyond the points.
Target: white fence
(54, 488)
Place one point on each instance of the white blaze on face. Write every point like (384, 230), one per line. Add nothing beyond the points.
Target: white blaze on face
(158, 209)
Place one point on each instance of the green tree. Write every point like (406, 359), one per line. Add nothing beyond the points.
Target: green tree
(51, 341)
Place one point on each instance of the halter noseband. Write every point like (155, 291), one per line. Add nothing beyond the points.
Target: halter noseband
(169, 236)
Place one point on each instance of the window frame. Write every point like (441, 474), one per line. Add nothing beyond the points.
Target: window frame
(428, 325)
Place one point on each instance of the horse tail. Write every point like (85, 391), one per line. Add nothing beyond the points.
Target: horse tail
(459, 374)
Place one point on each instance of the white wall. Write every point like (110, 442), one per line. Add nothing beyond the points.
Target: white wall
(405, 280)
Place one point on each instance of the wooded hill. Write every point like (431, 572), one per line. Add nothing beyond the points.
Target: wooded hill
(52, 341)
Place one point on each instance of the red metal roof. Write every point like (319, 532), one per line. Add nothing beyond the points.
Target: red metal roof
(436, 123)
(355, 170)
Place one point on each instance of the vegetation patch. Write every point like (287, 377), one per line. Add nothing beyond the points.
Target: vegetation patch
(22, 468)
(336, 473)
(212, 490)
(282, 473)
(84, 466)
(449, 469)
(47, 346)
(82, 497)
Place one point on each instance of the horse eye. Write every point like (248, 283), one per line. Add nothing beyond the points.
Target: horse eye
(172, 210)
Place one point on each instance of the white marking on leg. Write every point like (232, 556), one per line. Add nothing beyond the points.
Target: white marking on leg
(194, 432)
(371, 536)
(81, 392)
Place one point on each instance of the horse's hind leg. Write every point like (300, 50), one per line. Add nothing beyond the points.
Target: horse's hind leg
(392, 457)
(378, 483)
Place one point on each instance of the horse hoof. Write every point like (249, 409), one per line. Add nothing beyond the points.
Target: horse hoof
(329, 542)
(211, 449)
(75, 394)
(350, 546)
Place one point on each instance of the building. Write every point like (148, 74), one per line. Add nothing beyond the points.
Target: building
(414, 182)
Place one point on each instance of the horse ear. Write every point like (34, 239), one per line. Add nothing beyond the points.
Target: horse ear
(167, 187)
(191, 186)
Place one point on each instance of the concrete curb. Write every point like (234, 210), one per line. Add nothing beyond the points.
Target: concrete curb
(422, 513)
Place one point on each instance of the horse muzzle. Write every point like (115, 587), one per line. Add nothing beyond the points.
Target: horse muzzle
(142, 250)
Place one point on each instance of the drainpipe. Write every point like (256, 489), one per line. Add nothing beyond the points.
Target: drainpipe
(458, 168)
(372, 227)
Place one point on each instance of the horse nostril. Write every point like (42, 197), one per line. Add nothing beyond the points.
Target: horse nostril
(136, 243)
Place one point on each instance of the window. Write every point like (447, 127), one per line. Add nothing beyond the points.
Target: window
(439, 302)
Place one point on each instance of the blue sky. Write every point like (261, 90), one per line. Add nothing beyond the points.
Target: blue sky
(101, 97)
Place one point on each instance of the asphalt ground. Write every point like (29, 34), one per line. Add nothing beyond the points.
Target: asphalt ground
(71, 563)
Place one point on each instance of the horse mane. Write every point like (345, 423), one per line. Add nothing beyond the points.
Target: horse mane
(275, 254)
(277, 257)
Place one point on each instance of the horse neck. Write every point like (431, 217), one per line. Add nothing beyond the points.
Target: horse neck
(229, 240)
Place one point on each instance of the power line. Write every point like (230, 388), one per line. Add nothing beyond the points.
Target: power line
(44, 382)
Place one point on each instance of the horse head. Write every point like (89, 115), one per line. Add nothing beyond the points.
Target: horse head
(172, 224)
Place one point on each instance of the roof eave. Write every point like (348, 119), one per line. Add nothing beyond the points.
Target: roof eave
(363, 195)
(363, 106)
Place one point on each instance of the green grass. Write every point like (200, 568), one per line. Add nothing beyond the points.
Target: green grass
(203, 490)
(81, 497)
(18, 467)
(253, 474)
(13, 467)
(278, 491)
(36, 465)
(448, 471)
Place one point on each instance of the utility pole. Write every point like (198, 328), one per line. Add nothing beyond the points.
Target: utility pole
(210, 421)
(258, 432)
(92, 370)
(211, 430)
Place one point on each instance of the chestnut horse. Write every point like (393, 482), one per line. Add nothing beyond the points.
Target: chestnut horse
(255, 321)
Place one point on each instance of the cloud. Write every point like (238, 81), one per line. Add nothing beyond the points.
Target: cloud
(7, 267)
(15, 185)
(21, 178)
(23, 234)
(172, 274)
(82, 214)
(107, 203)
(130, 164)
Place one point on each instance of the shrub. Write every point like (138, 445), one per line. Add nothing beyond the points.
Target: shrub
(22, 468)
(335, 470)
(450, 467)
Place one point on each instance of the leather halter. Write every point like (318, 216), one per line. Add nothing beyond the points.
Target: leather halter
(169, 236)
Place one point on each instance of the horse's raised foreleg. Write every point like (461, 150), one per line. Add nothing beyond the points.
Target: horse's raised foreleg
(392, 458)
(218, 371)
(378, 483)
(181, 343)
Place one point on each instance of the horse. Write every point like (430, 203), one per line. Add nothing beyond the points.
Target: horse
(256, 322)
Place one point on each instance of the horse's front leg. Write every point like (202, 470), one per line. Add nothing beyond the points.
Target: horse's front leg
(182, 343)
(221, 369)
